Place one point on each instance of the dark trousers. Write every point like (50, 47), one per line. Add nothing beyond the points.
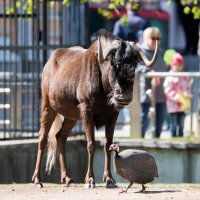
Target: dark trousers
(160, 118)
(177, 123)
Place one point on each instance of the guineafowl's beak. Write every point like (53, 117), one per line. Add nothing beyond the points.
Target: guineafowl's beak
(111, 148)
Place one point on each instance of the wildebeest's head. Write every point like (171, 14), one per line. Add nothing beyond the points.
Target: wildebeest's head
(121, 77)
(123, 57)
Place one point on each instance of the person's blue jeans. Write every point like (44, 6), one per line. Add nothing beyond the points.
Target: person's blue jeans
(177, 123)
(160, 118)
(144, 117)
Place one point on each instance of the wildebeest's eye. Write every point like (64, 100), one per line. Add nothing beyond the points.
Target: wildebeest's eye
(112, 62)
(125, 74)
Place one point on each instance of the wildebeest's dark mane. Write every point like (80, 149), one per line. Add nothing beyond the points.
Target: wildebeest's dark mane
(105, 37)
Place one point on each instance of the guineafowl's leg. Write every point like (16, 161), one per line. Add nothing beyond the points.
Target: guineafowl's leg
(131, 183)
(143, 188)
(109, 131)
(61, 140)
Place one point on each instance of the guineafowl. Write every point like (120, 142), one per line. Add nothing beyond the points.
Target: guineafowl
(135, 166)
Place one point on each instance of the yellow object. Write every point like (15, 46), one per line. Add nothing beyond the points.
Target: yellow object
(185, 102)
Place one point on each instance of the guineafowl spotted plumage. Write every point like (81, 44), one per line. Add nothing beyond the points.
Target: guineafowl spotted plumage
(136, 166)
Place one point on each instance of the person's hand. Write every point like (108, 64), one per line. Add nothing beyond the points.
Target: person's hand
(177, 96)
(155, 81)
(185, 94)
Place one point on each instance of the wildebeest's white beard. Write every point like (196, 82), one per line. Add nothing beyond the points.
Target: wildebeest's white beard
(113, 102)
(110, 97)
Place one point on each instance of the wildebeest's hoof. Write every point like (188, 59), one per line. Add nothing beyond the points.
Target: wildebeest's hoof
(68, 182)
(90, 184)
(111, 184)
(37, 182)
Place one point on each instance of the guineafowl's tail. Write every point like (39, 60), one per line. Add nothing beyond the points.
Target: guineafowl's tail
(156, 175)
(156, 170)
(52, 142)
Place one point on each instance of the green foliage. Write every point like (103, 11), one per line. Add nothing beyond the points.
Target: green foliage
(66, 3)
(17, 4)
(111, 6)
(117, 2)
(124, 20)
(196, 12)
(169, 2)
(136, 6)
(193, 7)
(187, 10)
(84, 1)
(190, 6)
(10, 11)
(28, 5)
(51, 4)
(106, 13)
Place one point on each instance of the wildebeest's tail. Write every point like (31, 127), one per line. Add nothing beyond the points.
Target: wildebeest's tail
(52, 142)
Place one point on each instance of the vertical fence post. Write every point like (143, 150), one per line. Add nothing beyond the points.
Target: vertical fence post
(44, 32)
(135, 110)
(198, 111)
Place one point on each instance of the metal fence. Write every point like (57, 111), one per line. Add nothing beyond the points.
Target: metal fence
(28, 34)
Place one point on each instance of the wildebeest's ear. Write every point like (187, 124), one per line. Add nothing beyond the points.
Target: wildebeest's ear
(100, 53)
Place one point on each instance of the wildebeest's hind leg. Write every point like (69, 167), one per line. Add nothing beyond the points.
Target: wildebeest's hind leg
(110, 126)
(61, 141)
(47, 118)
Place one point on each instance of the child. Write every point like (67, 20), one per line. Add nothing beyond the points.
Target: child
(177, 93)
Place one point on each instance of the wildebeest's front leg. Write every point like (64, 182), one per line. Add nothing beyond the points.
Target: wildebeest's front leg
(87, 120)
(47, 118)
(61, 140)
(110, 126)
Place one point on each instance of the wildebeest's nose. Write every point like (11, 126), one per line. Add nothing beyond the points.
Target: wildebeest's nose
(121, 98)
(118, 93)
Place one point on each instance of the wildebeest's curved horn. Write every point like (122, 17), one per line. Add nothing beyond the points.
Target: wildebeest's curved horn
(100, 53)
(112, 47)
(148, 62)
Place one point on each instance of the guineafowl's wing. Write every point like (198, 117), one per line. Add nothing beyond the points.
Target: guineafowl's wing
(125, 164)
(137, 166)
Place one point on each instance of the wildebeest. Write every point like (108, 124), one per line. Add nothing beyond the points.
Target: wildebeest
(90, 85)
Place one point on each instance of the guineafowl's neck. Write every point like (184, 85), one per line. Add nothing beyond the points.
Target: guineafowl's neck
(117, 154)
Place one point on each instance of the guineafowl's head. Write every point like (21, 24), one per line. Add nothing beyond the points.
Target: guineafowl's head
(114, 147)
